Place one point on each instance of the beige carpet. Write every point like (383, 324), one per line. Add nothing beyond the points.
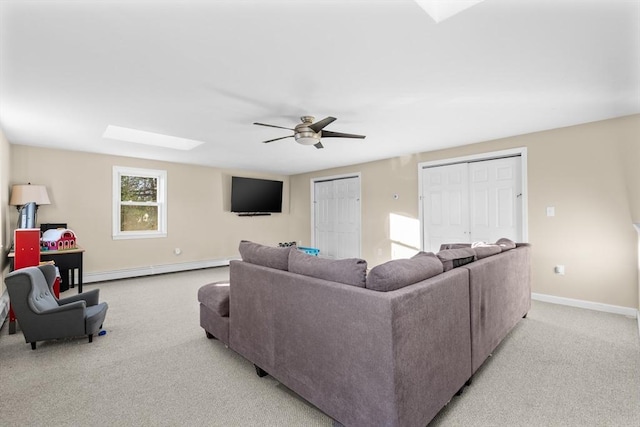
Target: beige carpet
(560, 366)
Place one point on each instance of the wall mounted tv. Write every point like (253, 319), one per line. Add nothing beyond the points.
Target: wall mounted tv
(251, 196)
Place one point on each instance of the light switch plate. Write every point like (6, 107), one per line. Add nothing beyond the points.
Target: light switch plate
(551, 211)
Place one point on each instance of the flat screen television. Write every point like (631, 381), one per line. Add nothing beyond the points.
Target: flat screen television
(251, 195)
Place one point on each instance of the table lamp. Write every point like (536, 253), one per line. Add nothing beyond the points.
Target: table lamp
(26, 198)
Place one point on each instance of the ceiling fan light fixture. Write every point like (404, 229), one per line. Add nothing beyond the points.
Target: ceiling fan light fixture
(307, 138)
(310, 133)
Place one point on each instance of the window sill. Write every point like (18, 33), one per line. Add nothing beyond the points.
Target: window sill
(129, 236)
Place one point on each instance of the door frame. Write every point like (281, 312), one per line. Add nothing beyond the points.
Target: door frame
(491, 155)
(313, 181)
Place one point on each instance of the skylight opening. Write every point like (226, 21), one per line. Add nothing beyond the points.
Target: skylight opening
(439, 10)
(150, 138)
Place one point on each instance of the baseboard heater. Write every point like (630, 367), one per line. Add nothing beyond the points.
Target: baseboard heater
(152, 270)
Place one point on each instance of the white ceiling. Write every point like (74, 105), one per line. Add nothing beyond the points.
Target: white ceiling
(206, 70)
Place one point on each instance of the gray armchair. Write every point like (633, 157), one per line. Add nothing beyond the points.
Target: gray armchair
(44, 317)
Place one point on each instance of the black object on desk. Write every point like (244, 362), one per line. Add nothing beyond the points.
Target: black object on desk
(51, 225)
(67, 261)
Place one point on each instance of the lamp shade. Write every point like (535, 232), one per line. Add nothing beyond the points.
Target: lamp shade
(25, 193)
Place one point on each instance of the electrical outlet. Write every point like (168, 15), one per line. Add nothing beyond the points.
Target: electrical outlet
(559, 269)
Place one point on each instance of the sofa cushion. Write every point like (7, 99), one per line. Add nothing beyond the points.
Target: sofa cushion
(452, 258)
(351, 271)
(485, 250)
(505, 244)
(399, 273)
(446, 246)
(215, 296)
(265, 256)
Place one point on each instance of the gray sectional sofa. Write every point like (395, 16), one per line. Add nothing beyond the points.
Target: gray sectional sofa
(385, 347)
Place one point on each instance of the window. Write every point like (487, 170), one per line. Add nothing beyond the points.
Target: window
(139, 203)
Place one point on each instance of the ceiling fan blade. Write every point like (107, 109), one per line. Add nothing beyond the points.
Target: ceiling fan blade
(272, 126)
(318, 126)
(329, 134)
(277, 139)
(318, 145)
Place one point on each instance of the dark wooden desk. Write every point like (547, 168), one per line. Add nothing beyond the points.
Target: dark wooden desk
(67, 261)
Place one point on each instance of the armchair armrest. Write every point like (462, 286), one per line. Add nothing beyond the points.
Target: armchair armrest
(75, 305)
(90, 297)
(64, 321)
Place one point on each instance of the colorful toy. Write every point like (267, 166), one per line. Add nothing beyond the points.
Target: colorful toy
(58, 239)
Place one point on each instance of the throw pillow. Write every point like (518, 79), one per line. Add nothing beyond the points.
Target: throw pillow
(266, 256)
(399, 273)
(506, 244)
(452, 258)
(351, 271)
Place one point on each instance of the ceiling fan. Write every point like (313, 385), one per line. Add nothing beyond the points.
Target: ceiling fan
(309, 133)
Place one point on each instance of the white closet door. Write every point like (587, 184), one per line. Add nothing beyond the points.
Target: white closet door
(324, 205)
(337, 218)
(471, 202)
(445, 205)
(495, 200)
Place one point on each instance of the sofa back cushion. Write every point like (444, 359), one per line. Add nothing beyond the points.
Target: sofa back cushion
(505, 244)
(485, 250)
(265, 256)
(446, 246)
(351, 271)
(452, 258)
(399, 273)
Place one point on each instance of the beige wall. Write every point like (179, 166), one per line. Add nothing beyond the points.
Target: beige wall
(588, 172)
(630, 156)
(582, 170)
(199, 221)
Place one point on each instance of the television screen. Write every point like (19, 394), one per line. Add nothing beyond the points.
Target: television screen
(255, 195)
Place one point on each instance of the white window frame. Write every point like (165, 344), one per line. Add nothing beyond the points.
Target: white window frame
(161, 202)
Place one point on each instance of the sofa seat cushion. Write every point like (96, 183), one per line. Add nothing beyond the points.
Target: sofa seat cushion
(215, 296)
(452, 258)
(350, 271)
(265, 256)
(399, 273)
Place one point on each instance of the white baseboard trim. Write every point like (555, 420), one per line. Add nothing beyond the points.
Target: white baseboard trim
(607, 308)
(4, 307)
(151, 270)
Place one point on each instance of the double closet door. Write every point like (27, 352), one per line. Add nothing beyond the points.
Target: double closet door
(472, 202)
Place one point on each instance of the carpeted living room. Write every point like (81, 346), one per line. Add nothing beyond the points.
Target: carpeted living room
(559, 366)
(320, 213)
